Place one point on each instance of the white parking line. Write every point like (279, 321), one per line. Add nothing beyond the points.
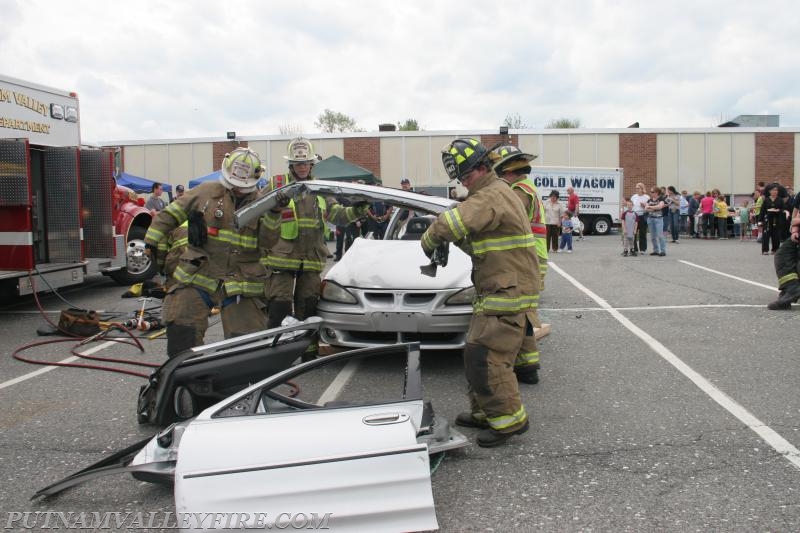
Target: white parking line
(778, 443)
(737, 278)
(338, 383)
(650, 308)
(49, 368)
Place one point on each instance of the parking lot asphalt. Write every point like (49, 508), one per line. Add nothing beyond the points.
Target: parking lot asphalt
(668, 402)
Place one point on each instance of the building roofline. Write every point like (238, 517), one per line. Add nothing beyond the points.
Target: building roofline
(454, 133)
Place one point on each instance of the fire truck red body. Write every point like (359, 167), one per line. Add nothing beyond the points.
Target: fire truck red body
(62, 216)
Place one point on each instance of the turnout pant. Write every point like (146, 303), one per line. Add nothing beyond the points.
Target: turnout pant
(185, 314)
(528, 357)
(787, 262)
(493, 344)
(293, 293)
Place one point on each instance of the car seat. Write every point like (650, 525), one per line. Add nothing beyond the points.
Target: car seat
(415, 227)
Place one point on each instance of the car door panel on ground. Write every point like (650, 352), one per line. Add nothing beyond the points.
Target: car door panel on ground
(368, 471)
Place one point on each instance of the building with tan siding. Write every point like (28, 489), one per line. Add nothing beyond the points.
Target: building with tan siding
(733, 160)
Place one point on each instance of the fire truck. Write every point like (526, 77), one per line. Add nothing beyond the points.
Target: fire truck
(62, 215)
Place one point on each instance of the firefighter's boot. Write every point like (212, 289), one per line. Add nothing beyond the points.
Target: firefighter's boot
(312, 352)
(468, 420)
(789, 293)
(489, 438)
(531, 377)
(277, 310)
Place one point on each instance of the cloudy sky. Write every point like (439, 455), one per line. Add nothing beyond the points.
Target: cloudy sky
(172, 69)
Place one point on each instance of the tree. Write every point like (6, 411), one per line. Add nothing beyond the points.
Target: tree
(514, 122)
(290, 129)
(333, 121)
(564, 123)
(410, 124)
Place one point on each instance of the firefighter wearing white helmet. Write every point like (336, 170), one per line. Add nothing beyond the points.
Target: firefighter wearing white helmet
(297, 251)
(220, 265)
(492, 226)
(513, 166)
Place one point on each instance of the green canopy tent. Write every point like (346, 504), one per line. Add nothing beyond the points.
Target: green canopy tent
(336, 168)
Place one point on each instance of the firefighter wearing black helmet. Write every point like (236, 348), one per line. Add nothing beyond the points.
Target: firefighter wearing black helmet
(513, 166)
(491, 225)
(294, 235)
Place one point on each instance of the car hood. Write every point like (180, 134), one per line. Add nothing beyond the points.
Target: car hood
(376, 264)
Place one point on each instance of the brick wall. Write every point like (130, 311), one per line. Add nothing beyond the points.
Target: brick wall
(364, 152)
(490, 140)
(224, 147)
(637, 157)
(775, 158)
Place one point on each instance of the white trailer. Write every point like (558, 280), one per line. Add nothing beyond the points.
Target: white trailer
(599, 189)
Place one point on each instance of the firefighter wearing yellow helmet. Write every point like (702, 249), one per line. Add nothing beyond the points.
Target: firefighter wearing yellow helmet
(220, 265)
(492, 226)
(296, 248)
(513, 166)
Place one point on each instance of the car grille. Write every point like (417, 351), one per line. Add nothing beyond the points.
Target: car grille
(418, 298)
(406, 298)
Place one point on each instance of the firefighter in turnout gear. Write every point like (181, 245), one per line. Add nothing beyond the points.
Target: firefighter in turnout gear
(220, 265)
(492, 227)
(787, 268)
(170, 251)
(295, 239)
(513, 167)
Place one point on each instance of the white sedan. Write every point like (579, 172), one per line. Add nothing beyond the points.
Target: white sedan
(376, 294)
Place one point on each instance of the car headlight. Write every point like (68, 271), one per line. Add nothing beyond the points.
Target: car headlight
(462, 297)
(334, 292)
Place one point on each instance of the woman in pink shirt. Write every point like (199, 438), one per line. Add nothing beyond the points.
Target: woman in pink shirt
(707, 209)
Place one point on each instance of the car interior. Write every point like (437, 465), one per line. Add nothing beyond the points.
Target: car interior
(415, 227)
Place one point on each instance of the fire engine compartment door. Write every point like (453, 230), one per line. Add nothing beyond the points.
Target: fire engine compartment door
(62, 205)
(16, 231)
(97, 190)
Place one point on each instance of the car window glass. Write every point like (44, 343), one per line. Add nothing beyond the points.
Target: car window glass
(359, 381)
(350, 382)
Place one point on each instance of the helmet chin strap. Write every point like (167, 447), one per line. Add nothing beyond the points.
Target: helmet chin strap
(294, 174)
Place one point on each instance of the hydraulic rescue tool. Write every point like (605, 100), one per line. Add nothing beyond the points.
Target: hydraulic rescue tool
(438, 259)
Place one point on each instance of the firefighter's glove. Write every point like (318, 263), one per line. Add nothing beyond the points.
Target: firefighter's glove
(198, 231)
(282, 199)
(429, 253)
(361, 208)
(151, 251)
